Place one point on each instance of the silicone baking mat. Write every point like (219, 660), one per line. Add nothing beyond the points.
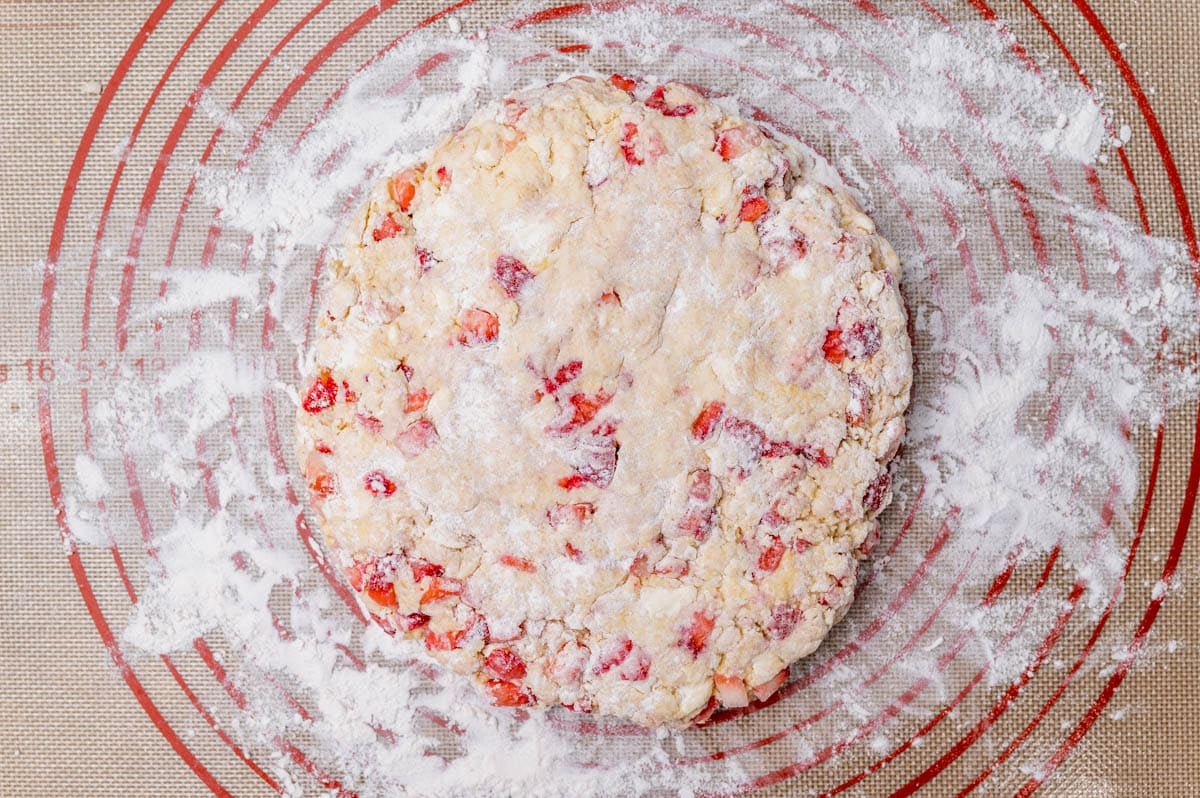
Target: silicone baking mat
(125, 126)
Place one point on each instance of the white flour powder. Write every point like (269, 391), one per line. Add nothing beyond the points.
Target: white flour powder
(1029, 380)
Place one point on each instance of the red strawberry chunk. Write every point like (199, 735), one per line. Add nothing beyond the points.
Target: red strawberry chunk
(477, 326)
(754, 206)
(610, 298)
(767, 689)
(584, 409)
(423, 568)
(444, 641)
(706, 712)
(505, 663)
(323, 485)
(351, 396)
(520, 563)
(614, 654)
(354, 575)
(770, 557)
(707, 420)
(388, 228)
(657, 100)
(441, 587)
(876, 492)
(863, 339)
(417, 437)
(407, 369)
(694, 636)
(412, 621)
(322, 394)
(575, 513)
(383, 595)
(799, 243)
(573, 482)
(370, 423)
(512, 275)
(377, 482)
(749, 434)
(416, 401)
(507, 694)
(599, 463)
(834, 348)
(731, 690)
(323, 447)
(636, 666)
(443, 175)
(737, 141)
(402, 188)
(572, 552)
(623, 83)
(783, 620)
(628, 147)
(425, 259)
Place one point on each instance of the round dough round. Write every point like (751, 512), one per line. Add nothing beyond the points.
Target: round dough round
(603, 398)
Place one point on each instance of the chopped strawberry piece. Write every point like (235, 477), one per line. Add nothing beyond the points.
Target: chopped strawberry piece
(512, 275)
(388, 228)
(507, 694)
(566, 373)
(441, 587)
(323, 485)
(767, 689)
(322, 394)
(412, 621)
(383, 595)
(417, 437)
(444, 641)
(870, 541)
(695, 635)
(323, 447)
(864, 339)
(640, 567)
(351, 396)
(770, 557)
(754, 206)
(520, 563)
(614, 655)
(377, 483)
(706, 712)
(369, 423)
(423, 568)
(575, 513)
(416, 401)
(834, 349)
(628, 147)
(657, 100)
(799, 243)
(407, 369)
(783, 620)
(623, 83)
(731, 690)
(573, 482)
(425, 259)
(636, 666)
(584, 409)
(477, 326)
(737, 141)
(610, 298)
(505, 663)
(703, 494)
(773, 517)
(443, 176)
(403, 187)
(801, 545)
(858, 409)
(707, 420)
(876, 492)
(572, 552)
(749, 435)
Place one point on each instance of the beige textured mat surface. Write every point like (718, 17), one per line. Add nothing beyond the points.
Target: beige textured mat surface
(73, 724)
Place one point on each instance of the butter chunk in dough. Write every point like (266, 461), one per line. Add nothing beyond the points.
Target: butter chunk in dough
(603, 398)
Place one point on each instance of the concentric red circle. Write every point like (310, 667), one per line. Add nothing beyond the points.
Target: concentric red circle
(864, 630)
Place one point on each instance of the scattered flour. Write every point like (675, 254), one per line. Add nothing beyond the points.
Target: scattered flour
(1037, 375)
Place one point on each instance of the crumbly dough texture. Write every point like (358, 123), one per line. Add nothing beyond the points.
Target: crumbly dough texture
(602, 402)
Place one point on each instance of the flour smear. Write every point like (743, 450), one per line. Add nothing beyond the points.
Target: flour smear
(1038, 320)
